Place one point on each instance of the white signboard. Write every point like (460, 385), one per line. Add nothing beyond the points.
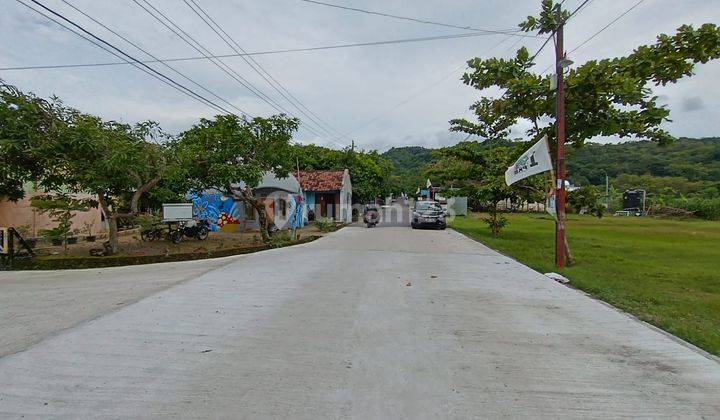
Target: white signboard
(177, 212)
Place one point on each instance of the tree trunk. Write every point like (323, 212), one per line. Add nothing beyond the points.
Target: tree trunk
(142, 189)
(262, 219)
(112, 225)
(112, 235)
(247, 196)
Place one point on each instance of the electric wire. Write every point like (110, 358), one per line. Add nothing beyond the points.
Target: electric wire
(583, 4)
(612, 22)
(511, 31)
(269, 52)
(111, 49)
(428, 87)
(155, 58)
(199, 47)
(257, 67)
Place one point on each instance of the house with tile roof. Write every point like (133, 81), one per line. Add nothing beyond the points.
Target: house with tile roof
(327, 194)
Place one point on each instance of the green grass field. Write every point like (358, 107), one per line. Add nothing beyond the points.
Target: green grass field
(665, 272)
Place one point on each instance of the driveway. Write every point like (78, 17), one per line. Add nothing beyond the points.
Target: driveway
(364, 323)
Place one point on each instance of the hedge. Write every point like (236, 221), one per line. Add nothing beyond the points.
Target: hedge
(64, 263)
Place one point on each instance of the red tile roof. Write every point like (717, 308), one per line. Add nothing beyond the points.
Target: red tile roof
(320, 180)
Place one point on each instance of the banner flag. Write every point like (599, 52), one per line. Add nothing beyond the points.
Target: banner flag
(536, 160)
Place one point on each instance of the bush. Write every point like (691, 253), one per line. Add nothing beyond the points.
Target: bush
(280, 238)
(496, 221)
(584, 198)
(324, 225)
(147, 220)
(707, 208)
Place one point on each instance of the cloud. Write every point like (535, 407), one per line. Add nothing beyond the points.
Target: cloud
(694, 103)
(407, 91)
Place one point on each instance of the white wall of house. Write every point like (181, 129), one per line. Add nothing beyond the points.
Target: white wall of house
(346, 199)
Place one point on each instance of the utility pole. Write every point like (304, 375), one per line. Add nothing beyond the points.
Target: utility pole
(560, 248)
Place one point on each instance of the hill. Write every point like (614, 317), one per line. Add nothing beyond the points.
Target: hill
(696, 160)
(409, 157)
(408, 163)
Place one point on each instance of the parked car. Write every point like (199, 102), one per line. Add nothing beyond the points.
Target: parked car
(428, 214)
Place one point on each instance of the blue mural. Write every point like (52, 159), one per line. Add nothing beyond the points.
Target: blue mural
(296, 213)
(222, 212)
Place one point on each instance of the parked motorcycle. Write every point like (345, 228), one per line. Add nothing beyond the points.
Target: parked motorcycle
(198, 229)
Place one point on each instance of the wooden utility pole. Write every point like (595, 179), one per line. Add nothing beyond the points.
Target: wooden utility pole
(560, 243)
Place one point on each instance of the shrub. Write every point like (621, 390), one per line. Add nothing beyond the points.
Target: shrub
(147, 220)
(280, 238)
(584, 198)
(496, 221)
(324, 225)
(707, 208)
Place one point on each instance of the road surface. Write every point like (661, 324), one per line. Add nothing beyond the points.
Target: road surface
(365, 323)
(395, 215)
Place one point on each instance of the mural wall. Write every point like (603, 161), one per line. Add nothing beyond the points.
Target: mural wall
(223, 213)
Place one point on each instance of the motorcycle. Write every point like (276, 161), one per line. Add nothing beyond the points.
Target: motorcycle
(192, 229)
(371, 216)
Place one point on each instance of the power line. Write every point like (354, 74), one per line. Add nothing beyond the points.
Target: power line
(511, 31)
(554, 30)
(155, 58)
(612, 22)
(269, 52)
(583, 4)
(321, 123)
(426, 88)
(257, 67)
(106, 46)
(199, 47)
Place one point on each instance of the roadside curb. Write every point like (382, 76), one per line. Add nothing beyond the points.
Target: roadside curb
(69, 263)
(672, 337)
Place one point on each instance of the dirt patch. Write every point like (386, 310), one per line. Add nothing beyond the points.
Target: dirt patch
(134, 250)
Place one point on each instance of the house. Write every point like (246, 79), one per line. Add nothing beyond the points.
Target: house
(229, 215)
(30, 221)
(327, 194)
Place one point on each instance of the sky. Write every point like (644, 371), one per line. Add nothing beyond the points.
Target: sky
(377, 96)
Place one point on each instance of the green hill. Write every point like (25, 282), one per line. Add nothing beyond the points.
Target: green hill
(408, 163)
(695, 160)
(687, 169)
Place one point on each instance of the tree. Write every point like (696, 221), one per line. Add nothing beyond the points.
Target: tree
(478, 170)
(586, 197)
(228, 150)
(369, 170)
(110, 159)
(27, 123)
(61, 208)
(60, 148)
(609, 97)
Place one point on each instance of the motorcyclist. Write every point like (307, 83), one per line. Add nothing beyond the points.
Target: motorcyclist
(371, 215)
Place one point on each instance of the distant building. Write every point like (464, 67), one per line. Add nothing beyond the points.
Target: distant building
(327, 194)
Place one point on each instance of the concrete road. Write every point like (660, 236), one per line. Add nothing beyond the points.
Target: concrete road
(395, 215)
(365, 323)
(37, 304)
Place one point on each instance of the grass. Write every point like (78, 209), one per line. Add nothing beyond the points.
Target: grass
(665, 272)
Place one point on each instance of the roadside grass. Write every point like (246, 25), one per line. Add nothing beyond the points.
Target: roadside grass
(664, 271)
